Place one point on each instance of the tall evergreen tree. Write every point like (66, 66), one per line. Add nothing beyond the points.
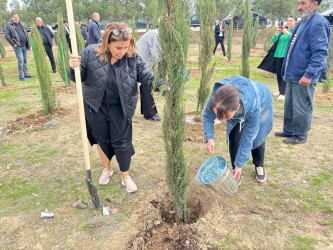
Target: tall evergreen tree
(174, 42)
(133, 26)
(2, 76)
(231, 29)
(246, 43)
(79, 39)
(329, 67)
(268, 41)
(62, 60)
(48, 94)
(2, 49)
(255, 30)
(207, 10)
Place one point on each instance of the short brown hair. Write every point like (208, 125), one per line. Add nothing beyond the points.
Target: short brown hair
(225, 100)
(103, 52)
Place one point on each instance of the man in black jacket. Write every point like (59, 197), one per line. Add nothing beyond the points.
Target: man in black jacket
(219, 36)
(16, 35)
(68, 39)
(94, 33)
(47, 36)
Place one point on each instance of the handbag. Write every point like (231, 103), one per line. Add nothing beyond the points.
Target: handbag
(268, 63)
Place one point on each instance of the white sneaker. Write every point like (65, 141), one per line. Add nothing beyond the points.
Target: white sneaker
(105, 177)
(129, 184)
(276, 93)
(281, 98)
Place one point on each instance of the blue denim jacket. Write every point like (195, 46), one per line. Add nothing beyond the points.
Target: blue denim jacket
(256, 118)
(309, 53)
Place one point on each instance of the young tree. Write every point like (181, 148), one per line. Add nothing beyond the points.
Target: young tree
(268, 42)
(174, 42)
(2, 49)
(254, 33)
(246, 43)
(62, 58)
(2, 76)
(206, 9)
(329, 67)
(48, 94)
(133, 26)
(79, 39)
(231, 28)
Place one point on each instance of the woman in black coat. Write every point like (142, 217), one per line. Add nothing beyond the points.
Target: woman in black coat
(110, 72)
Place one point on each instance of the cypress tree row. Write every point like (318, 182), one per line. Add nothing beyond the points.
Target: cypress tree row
(2, 49)
(231, 28)
(268, 42)
(79, 39)
(174, 43)
(2, 76)
(246, 43)
(207, 10)
(133, 27)
(255, 33)
(329, 67)
(48, 94)
(62, 65)
(156, 15)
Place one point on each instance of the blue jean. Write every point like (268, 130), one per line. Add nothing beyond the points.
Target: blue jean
(298, 107)
(21, 55)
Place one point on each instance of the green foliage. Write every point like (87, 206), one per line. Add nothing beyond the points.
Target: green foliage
(2, 49)
(2, 76)
(246, 44)
(174, 43)
(133, 26)
(156, 15)
(268, 41)
(329, 68)
(231, 28)
(255, 33)
(79, 39)
(206, 45)
(42, 66)
(61, 32)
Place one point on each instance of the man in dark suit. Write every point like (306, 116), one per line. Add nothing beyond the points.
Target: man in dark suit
(219, 36)
(47, 36)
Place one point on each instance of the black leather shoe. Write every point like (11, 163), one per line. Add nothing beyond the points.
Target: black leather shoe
(283, 134)
(294, 140)
(155, 118)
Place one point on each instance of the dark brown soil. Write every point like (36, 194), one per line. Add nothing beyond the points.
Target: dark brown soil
(195, 132)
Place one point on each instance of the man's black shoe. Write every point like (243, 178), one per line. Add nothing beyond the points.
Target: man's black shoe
(283, 134)
(155, 118)
(260, 175)
(294, 140)
(54, 71)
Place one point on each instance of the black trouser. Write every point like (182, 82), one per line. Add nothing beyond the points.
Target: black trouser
(49, 52)
(112, 132)
(148, 107)
(220, 40)
(282, 84)
(258, 154)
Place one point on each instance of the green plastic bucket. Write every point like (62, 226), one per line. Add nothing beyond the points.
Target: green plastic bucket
(216, 174)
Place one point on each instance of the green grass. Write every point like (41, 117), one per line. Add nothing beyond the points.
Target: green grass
(304, 242)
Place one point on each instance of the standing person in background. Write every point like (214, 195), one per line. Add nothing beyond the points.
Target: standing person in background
(68, 39)
(47, 36)
(302, 66)
(83, 33)
(219, 36)
(94, 33)
(16, 35)
(148, 50)
(283, 34)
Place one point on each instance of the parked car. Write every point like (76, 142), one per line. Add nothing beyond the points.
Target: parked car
(328, 15)
(195, 21)
(239, 20)
(141, 24)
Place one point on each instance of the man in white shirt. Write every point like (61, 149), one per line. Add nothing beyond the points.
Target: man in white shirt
(219, 36)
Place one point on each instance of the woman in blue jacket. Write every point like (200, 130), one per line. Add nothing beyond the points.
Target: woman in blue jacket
(248, 109)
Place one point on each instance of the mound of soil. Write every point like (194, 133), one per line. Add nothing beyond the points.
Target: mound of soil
(64, 89)
(36, 121)
(195, 132)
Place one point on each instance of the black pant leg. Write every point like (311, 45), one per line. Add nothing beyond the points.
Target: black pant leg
(222, 46)
(234, 138)
(148, 107)
(49, 53)
(281, 83)
(216, 43)
(258, 155)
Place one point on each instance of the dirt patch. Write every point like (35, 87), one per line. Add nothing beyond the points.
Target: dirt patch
(6, 59)
(63, 89)
(36, 121)
(11, 72)
(195, 132)
(10, 86)
(195, 73)
(324, 97)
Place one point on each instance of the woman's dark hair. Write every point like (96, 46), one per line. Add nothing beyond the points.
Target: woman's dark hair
(225, 100)
(294, 17)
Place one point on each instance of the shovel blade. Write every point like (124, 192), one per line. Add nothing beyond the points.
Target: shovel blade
(93, 192)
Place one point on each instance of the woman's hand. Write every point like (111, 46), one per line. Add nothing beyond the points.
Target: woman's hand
(237, 172)
(74, 61)
(210, 146)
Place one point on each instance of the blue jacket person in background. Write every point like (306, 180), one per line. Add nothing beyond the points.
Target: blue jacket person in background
(248, 109)
(94, 33)
(302, 66)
